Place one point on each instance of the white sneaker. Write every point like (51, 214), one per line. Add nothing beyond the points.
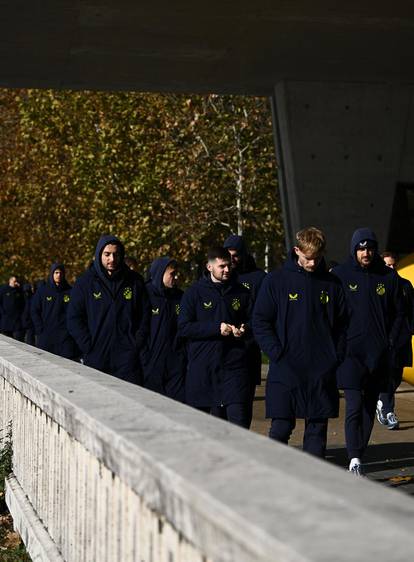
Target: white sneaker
(380, 415)
(392, 421)
(355, 467)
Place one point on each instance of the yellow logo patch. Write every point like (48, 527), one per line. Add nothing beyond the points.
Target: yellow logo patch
(235, 304)
(293, 296)
(127, 293)
(353, 288)
(66, 298)
(49, 299)
(324, 297)
(380, 289)
(208, 305)
(97, 296)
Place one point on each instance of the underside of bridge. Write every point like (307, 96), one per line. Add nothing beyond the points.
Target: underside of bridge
(340, 77)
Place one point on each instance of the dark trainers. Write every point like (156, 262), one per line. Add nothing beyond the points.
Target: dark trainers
(380, 414)
(392, 421)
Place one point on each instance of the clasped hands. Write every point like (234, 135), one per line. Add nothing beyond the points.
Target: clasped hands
(228, 329)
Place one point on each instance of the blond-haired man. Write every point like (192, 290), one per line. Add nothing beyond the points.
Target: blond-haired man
(299, 322)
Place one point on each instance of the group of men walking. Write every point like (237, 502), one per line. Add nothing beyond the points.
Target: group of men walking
(347, 329)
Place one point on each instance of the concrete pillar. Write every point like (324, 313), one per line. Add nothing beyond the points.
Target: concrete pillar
(342, 148)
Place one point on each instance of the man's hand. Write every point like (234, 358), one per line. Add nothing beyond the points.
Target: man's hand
(238, 332)
(226, 329)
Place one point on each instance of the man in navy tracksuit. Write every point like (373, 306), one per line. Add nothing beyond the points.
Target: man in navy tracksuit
(164, 357)
(375, 316)
(299, 321)
(214, 317)
(48, 312)
(403, 350)
(249, 275)
(108, 313)
(12, 305)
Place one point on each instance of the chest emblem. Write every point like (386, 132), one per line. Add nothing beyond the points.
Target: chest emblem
(49, 299)
(127, 293)
(353, 288)
(155, 311)
(247, 285)
(380, 290)
(177, 309)
(97, 296)
(208, 305)
(235, 304)
(324, 297)
(66, 298)
(293, 296)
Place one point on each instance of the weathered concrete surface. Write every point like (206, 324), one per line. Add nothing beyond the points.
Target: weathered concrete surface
(223, 46)
(30, 528)
(233, 495)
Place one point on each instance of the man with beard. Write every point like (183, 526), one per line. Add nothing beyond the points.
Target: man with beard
(108, 313)
(214, 317)
(375, 317)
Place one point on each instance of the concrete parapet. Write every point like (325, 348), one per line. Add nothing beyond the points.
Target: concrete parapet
(117, 473)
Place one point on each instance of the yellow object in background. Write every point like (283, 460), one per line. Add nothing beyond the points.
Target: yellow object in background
(406, 270)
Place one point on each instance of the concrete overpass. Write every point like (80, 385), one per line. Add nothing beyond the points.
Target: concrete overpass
(340, 76)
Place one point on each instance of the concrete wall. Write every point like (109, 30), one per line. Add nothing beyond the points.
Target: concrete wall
(342, 148)
(105, 471)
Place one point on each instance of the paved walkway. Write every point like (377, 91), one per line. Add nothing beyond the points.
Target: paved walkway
(390, 456)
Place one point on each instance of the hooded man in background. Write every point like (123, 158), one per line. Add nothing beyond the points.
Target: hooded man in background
(375, 316)
(164, 361)
(12, 304)
(108, 314)
(49, 306)
(250, 276)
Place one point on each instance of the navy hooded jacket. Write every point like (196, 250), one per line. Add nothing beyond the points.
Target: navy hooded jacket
(217, 371)
(163, 358)
(48, 310)
(249, 275)
(375, 315)
(12, 305)
(299, 321)
(108, 316)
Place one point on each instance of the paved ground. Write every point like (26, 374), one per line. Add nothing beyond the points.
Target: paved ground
(390, 456)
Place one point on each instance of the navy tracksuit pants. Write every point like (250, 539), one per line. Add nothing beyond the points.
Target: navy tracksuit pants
(238, 413)
(388, 398)
(314, 438)
(359, 417)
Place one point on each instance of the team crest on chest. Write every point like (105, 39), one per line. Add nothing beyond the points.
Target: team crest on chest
(324, 297)
(380, 290)
(235, 304)
(293, 297)
(127, 293)
(353, 288)
(66, 298)
(208, 305)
